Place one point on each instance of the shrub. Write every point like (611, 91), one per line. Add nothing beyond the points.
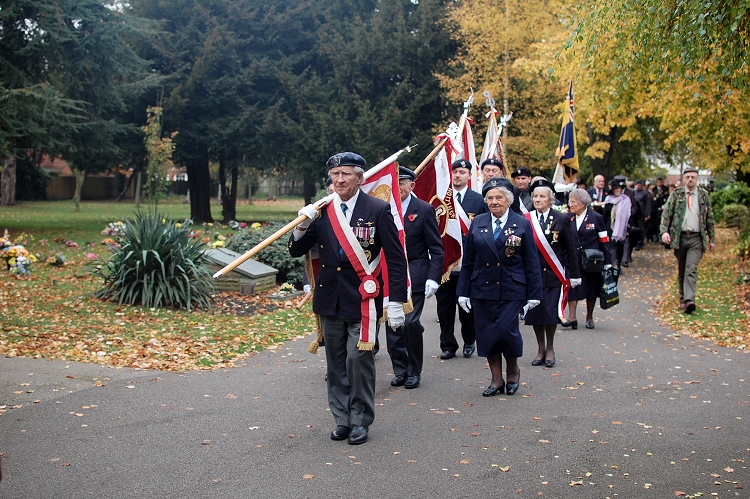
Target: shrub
(156, 265)
(737, 193)
(736, 215)
(276, 255)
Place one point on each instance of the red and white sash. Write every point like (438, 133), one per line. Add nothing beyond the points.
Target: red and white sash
(549, 255)
(463, 218)
(367, 273)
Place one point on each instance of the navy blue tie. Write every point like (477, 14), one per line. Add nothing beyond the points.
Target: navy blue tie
(458, 196)
(343, 209)
(496, 232)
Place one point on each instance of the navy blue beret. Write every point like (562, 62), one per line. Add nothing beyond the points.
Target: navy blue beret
(346, 159)
(521, 172)
(404, 172)
(493, 161)
(329, 181)
(542, 182)
(461, 163)
(494, 183)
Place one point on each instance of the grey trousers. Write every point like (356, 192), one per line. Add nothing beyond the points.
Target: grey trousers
(351, 373)
(688, 256)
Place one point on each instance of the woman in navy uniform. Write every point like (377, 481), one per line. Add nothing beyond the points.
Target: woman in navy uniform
(592, 234)
(555, 230)
(500, 274)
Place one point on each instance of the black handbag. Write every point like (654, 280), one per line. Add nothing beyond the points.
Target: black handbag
(608, 295)
(592, 260)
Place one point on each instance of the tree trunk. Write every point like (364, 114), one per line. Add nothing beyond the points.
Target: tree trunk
(80, 179)
(138, 190)
(233, 193)
(228, 198)
(601, 166)
(125, 189)
(199, 185)
(8, 182)
(309, 189)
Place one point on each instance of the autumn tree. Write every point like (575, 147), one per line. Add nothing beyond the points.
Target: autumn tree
(159, 150)
(683, 63)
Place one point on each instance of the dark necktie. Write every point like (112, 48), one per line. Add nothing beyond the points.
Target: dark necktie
(458, 196)
(343, 209)
(541, 220)
(496, 232)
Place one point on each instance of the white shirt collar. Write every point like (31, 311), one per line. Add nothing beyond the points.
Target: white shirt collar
(503, 219)
(350, 205)
(405, 203)
(582, 215)
(546, 213)
(462, 191)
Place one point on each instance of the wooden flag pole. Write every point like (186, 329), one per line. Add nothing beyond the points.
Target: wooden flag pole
(319, 205)
(441, 144)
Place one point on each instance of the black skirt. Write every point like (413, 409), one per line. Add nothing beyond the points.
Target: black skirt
(545, 313)
(591, 285)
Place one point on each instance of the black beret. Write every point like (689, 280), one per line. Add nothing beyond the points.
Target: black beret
(494, 183)
(616, 182)
(461, 163)
(329, 181)
(404, 172)
(639, 181)
(345, 159)
(541, 182)
(521, 172)
(493, 161)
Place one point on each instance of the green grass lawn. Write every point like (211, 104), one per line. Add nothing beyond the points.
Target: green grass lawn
(52, 313)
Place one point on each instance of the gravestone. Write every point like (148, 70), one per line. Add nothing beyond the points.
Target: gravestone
(250, 278)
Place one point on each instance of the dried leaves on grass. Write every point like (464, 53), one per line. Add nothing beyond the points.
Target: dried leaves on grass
(51, 314)
(722, 302)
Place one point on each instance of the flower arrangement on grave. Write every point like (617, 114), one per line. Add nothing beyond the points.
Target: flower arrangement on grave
(17, 258)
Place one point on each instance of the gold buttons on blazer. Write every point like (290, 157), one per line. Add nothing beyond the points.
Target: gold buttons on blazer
(487, 264)
(498, 264)
(323, 266)
(338, 269)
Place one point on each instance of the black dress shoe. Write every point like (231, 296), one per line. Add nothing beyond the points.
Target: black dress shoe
(469, 350)
(625, 264)
(340, 433)
(491, 391)
(549, 363)
(513, 387)
(447, 354)
(573, 324)
(689, 306)
(358, 435)
(538, 362)
(398, 380)
(412, 382)
(589, 324)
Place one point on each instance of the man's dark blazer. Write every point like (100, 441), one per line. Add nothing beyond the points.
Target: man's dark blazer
(489, 273)
(592, 193)
(337, 283)
(472, 202)
(424, 248)
(589, 231)
(564, 246)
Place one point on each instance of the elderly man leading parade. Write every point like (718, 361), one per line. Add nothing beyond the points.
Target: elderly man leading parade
(352, 234)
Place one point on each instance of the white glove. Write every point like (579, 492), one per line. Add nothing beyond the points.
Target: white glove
(310, 212)
(529, 305)
(430, 288)
(608, 266)
(575, 282)
(465, 303)
(395, 314)
(306, 289)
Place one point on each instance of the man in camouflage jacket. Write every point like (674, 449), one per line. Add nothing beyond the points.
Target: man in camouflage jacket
(687, 227)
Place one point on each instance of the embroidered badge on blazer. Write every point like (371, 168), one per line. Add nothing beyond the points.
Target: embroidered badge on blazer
(555, 235)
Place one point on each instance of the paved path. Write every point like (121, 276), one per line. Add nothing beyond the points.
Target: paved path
(629, 411)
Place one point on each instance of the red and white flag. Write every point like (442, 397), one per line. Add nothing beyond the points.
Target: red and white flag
(493, 142)
(435, 186)
(469, 153)
(384, 186)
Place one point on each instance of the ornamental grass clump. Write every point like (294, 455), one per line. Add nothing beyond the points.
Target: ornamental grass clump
(156, 265)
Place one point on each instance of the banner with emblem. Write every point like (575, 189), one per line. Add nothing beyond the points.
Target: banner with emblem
(435, 185)
(567, 151)
(384, 186)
